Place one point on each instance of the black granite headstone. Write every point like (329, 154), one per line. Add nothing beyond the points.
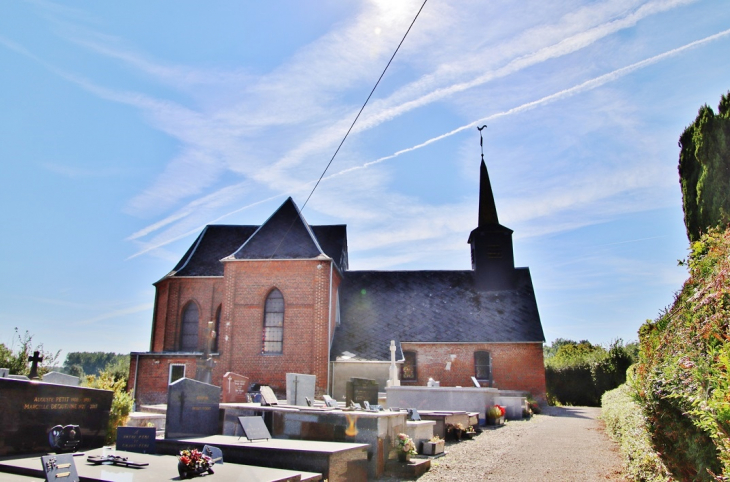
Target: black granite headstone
(359, 390)
(29, 410)
(192, 409)
(59, 467)
(136, 439)
(254, 428)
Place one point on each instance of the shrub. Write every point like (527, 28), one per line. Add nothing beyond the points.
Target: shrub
(121, 403)
(625, 423)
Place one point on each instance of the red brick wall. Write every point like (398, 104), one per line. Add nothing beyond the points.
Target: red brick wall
(305, 287)
(515, 366)
(153, 375)
(173, 295)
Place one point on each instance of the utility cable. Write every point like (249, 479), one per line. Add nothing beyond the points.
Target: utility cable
(351, 125)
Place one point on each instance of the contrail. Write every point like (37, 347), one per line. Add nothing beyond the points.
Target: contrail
(583, 87)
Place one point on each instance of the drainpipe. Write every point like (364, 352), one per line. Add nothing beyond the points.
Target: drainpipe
(329, 329)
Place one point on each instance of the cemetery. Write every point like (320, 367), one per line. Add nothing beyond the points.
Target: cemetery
(53, 428)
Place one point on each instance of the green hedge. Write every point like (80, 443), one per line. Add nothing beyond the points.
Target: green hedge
(625, 423)
(683, 380)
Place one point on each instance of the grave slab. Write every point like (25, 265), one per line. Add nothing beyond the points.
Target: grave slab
(61, 379)
(192, 409)
(161, 467)
(299, 387)
(468, 399)
(29, 409)
(337, 462)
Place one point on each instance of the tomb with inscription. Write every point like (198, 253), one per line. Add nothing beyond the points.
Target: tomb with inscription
(361, 390)
(192, 409)
(35, 415)
(235, 388)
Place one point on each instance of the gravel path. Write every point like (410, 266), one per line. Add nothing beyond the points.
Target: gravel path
(562, 444)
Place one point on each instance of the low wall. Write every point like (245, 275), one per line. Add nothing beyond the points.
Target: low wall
(465, 399)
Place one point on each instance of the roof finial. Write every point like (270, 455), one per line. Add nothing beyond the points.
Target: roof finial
(481, 139)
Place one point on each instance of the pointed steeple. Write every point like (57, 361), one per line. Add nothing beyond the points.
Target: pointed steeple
(487, 208)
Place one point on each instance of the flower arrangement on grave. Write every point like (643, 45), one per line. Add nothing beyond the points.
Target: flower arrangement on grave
(435, 439)
(406, 447)
(193, 462)
(495, 415)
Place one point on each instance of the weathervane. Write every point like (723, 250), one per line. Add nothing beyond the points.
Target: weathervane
(481, 139)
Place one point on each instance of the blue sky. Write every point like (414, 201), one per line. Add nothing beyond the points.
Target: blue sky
(125, 127)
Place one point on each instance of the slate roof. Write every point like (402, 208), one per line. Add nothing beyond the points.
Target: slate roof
(430, 306)
(285, 235)
(218, 241)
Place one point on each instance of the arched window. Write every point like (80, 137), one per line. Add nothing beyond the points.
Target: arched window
(189, 329)
(483, 367)
(217, 329)
(273, 323)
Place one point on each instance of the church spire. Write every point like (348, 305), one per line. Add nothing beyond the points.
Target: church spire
(487, 208)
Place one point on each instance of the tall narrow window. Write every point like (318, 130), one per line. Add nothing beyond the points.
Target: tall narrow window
(408, 371)
(189, 329)
(274, 323)
(483, 366)
(217, 329)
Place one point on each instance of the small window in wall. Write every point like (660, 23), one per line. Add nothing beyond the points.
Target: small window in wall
(189, 328)
(273, 323)
(408, 370)
(483, 366)
(177, 371)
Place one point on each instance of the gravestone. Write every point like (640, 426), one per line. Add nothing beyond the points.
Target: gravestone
(234, 388)
(19, 377)
(34, 361)
(268, 397)
(299, 388)
(4, 372)
(61, 379)
(254, 428)
(359, 390)
(29, 410)
(192, 409)
(136, 439)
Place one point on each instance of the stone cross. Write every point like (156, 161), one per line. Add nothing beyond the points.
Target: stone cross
(205, 366)
(393, 381)
(35, 360)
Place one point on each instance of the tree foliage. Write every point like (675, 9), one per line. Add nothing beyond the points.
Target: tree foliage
(91, 363)
(16, 356)
(578, 373)
(704, 169)
(122, 402)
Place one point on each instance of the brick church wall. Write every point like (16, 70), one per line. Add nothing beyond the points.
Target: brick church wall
(515, 366)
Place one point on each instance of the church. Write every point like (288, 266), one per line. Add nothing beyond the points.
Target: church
(280, 298)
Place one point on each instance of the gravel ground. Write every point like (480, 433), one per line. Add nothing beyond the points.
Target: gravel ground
(561, 444)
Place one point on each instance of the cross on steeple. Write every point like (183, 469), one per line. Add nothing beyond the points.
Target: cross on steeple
(35, 360)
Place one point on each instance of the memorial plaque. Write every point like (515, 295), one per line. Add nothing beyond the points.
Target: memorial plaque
(59, 467)
(136, 439)
(4, 372)
(413, 415)
(329, 401)
(476, 382)
(192, 409)
(61, 379)
(214, 453)
(235, 388)
(299, 387)
(267, 396)
(29, 410)
(254, 428)
(359, 390)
